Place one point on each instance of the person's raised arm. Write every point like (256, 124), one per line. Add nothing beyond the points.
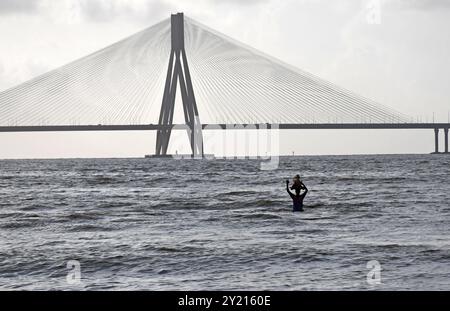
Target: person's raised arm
(305, 190)
(287, 188)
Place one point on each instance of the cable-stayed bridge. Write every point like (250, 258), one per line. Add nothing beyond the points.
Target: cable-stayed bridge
(133, 85)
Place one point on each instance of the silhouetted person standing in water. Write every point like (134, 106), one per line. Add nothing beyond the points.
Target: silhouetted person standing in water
(297, 198)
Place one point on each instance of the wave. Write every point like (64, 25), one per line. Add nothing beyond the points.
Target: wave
(258, 216)
(240, 192)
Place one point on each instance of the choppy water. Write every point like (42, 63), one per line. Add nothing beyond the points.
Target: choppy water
(165, 224)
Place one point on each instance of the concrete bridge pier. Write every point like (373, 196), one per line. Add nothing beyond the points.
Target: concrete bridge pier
(446, 139)
(436, 140)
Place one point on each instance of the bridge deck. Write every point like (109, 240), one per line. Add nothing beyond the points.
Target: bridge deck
(146, 127)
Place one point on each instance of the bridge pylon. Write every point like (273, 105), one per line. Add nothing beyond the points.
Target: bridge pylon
(178, 72)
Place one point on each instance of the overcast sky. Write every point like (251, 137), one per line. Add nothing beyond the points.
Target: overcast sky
(395, 52)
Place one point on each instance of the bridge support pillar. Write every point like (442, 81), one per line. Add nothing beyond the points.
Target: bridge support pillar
(178, 72)
(446, 139)
(436, 140)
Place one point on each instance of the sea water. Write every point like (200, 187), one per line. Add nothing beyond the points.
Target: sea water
(370, 222)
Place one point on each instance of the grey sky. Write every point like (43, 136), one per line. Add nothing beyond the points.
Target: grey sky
(18, 6)
(401, 62)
